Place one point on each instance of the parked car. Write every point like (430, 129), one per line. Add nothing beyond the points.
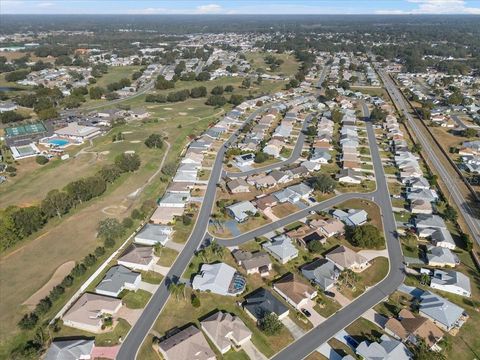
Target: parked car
(306, 313)
(329, 294)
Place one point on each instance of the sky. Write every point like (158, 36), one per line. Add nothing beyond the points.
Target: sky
(239, 7)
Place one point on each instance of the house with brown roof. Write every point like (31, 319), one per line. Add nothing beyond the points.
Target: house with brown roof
(409, 327)
(254, 263)
(224, 329)
(88, 311)
(330, 227)
(346, 258)
(266, 201)
(237, 186)
(138, 257)
(189, 344)
(294, 290)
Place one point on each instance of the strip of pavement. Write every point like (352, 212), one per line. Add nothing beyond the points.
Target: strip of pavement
(395, 277)
(140, 330)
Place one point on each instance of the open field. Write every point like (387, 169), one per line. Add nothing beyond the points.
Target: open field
(289, 66)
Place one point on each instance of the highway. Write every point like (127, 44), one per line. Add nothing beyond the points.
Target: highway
(451, 182)
(142, 327)
(341, 319)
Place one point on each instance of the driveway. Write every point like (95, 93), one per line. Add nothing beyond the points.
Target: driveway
(372, 254)
(269, 213)
(129, 315)
(174, 246)
(296, 331)
(326, 350)
(315, 318)
(375, 317)
(340, 298)
(161, 269)
(151, 288)
(346, 339)
(252, 352)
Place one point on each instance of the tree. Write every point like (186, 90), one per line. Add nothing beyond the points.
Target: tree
(203, 76)
(27, 220)
(323, 183)
(217, 90)
(195, 301)
(197, 92)
(128, 162)
(96, 92)
(261, 157)
(416, 148)
(229, 88)
(450, 213)
(110, 228)
(466, 241)
(422, 352)
(154, 141)
(378, 115)
(49, 113)
(455, 99)
(270, 324)
(127, 222)
(169, 169)
(365, 236)
(56, 203)
(162, 83)
(99, 251)
(109, 173)
(337, 116)
(315, 246)
(469, 133)
(177, 289)
(331, 94)
(216, 100)
(10, 116)
(28, 321)
(236, 99)
(246, 83)
(348, 278)
(43, 306)
(424, 279)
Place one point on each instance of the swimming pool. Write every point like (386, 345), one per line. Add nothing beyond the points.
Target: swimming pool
(58, 142)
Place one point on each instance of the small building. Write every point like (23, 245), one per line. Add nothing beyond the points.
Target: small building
(189, 343)
(294, 290)
(88, 311)
(349, 176)
(245, 159)
(152, 234)
(254, 263)
(240, 211)
(439, 256)
(237, 186)
(71, 349)
(353, 217)
(220, 279)
(329, 228)
(7, 106)
(281, 248)
(346, 258)
(173, 200)
(322, 272)
(451, 281)
(261, 302)
(137, 257)
(78, 132)
(388, 348)
(442, 312)
(224, 329)
(117, 279)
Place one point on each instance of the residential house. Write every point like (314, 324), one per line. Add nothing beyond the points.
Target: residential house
(330, 227)
(138, 257)
(245, 159)
(224, 329)
(117, 279)
(262, 302)
(254, 263)
(189, 343)
(409, 327)
(353, 217)
(88, 311)
(281, 248)
(152, 235)
(237, 186)
(70, 349)
(442, 312)
(440, 256)
(387, 349)
(346, 258)
(220, 279)
(349, 176)
(295, 290)
(280, 177)
(265, 201)
(451, 281)
(240, 211)
(427, 224)
(443, 238)
(174, 200)
(322, 272)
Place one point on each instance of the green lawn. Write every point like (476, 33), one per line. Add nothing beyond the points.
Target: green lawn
(136, 299)
(363, 329)
(167, 256)
(152, 277)
(326, 307)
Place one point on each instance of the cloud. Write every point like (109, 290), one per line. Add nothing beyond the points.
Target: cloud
(45, 4)
(435, 7)
(209, 9)
(148, 11)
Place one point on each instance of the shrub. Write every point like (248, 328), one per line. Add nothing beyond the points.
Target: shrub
(28, 321)
(41, 160)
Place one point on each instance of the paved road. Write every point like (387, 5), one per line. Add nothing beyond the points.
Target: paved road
(450, 182)
(322, 333)
(137, 334)
(462, 125)
(297, 151)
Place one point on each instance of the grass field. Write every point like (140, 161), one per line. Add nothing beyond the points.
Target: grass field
(136, 299)
(289, 66)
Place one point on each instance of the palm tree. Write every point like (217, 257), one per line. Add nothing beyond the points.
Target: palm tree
(177, 289)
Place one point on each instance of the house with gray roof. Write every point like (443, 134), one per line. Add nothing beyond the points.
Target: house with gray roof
(152, 234)
(352, 217)
(220, 279)
(262, 302)
(285, 195)
(427, 224)
(240, 211)
(386, 349)
(171, 199)
(320, 156)
(440, 256)
(442, 312)
(73, 349)
(254, 263)
(281, 248)
(117, 279)
(451, 281)
(422, 194)
(322, 272)
(303, 190)
(443, 238)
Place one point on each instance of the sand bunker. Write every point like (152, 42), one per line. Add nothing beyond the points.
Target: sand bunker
(135, 141)
(182, 113)
(127, 132)
(106, 152)
(57, 277)
(114, 210)
(167, 109)
(191, 108)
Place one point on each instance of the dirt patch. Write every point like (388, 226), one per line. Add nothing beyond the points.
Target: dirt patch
(57, 277)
